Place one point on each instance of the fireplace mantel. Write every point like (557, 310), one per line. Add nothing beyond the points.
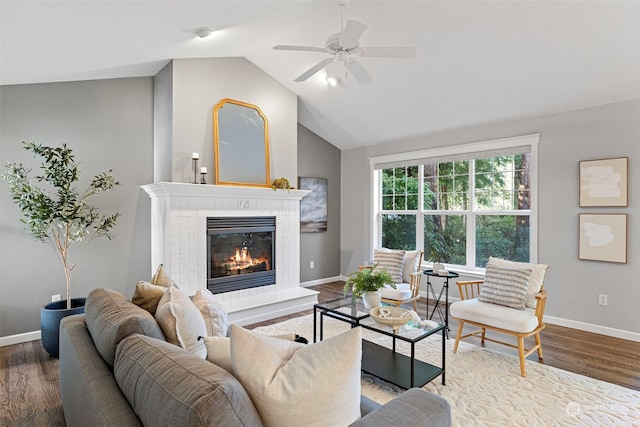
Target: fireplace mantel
(179, 213)
(175, 189)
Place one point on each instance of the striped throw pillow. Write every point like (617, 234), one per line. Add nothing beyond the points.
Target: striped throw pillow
(505, 286)
(390, 260)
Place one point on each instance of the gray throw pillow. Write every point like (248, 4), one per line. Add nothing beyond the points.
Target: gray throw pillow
(110, 317)
(505, 286)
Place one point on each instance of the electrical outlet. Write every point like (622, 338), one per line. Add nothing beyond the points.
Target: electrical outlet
(244, 204)
(312, 265)
(602, 299)
(55, 298)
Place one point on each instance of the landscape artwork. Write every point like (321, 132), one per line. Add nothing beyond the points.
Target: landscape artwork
(313, 207)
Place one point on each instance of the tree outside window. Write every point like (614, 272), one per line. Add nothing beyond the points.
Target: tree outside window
(431, 206)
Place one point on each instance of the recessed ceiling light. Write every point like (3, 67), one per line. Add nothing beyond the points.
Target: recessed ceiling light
(203, 32)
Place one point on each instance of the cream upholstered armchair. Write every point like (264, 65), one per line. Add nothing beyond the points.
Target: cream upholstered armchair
(510, 300)
(404, 268)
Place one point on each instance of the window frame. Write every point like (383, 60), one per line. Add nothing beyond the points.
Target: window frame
(467, 150)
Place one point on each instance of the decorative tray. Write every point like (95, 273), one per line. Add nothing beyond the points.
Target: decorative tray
(395, 317)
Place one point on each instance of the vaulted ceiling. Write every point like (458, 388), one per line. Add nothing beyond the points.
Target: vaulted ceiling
(477, 62)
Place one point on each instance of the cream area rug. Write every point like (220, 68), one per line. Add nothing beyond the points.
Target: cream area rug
(484, 387)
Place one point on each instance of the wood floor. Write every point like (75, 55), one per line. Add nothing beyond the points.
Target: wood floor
(30, 396)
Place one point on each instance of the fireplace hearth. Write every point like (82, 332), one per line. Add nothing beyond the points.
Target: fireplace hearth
(240, 253)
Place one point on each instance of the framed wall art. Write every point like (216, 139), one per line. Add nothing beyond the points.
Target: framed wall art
(603, 237)
(313, 207)
(603, 183)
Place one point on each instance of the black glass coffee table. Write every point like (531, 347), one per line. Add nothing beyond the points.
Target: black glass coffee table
(380, 361)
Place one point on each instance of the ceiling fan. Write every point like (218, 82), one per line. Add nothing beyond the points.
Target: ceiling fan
(345, 47)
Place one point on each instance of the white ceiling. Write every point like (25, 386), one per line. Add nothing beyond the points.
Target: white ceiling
(477, 61)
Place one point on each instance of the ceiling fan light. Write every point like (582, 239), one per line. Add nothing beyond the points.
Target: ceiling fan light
(203, 32)
(333, 80)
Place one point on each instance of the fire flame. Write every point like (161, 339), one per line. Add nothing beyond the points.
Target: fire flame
(242, 259)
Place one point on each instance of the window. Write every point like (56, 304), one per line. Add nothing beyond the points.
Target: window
(460, 207)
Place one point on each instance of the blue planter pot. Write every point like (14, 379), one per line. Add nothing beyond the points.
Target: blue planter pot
(50, 316)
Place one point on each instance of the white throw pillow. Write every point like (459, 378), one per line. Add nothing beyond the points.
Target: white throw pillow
(390, 260)
(505, 286)
(410, 264)
(535, 282)
(219, 352)
(214, 315)
(293, 384)
(181, 322)
(219, 349)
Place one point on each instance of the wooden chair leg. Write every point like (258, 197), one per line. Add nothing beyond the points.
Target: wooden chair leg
(484, 331)
(415, 306)
(521, 352)
(455, 345)
(539, 343)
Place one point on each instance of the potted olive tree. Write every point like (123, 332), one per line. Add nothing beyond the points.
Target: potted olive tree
(366, 283)
(56, 212)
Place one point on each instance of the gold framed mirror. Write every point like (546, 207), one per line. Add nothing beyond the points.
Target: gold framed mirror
(240, 144)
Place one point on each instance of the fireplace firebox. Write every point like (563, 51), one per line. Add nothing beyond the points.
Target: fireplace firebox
(240, 253)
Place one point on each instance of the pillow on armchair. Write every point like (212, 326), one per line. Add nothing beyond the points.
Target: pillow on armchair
(505, 286)
(410, 264)
(535, 281)
(390, 260)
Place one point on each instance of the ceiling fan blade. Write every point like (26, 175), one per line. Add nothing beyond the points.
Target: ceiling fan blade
(361, 75)
(351, 33)
(387, 52)
(311, 71)
(301, 48)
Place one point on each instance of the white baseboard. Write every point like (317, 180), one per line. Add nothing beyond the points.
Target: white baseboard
(596, 329)
(19, 338)
(322, 281)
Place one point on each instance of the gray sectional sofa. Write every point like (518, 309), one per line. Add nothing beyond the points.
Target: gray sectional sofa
(116, 369)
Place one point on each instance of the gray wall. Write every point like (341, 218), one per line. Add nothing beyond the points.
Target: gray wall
(319, 159)
(108, 124)
(163, 124)
(199, 84)
(566, 138)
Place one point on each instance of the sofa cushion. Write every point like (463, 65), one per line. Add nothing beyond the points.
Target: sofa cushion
(415, 407)
(535, 282)
(390, 260)
(168, 386)
(147, 295)
(110, 317)
(293, 384)
(214, 315)
(505, 286)
(89, 392)
(181, 322)
(494, 315)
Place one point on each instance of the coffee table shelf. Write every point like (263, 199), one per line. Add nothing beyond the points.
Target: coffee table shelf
(382, 362)
(395, 368)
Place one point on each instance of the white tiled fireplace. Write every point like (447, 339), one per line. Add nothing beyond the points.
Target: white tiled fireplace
(179, 214)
